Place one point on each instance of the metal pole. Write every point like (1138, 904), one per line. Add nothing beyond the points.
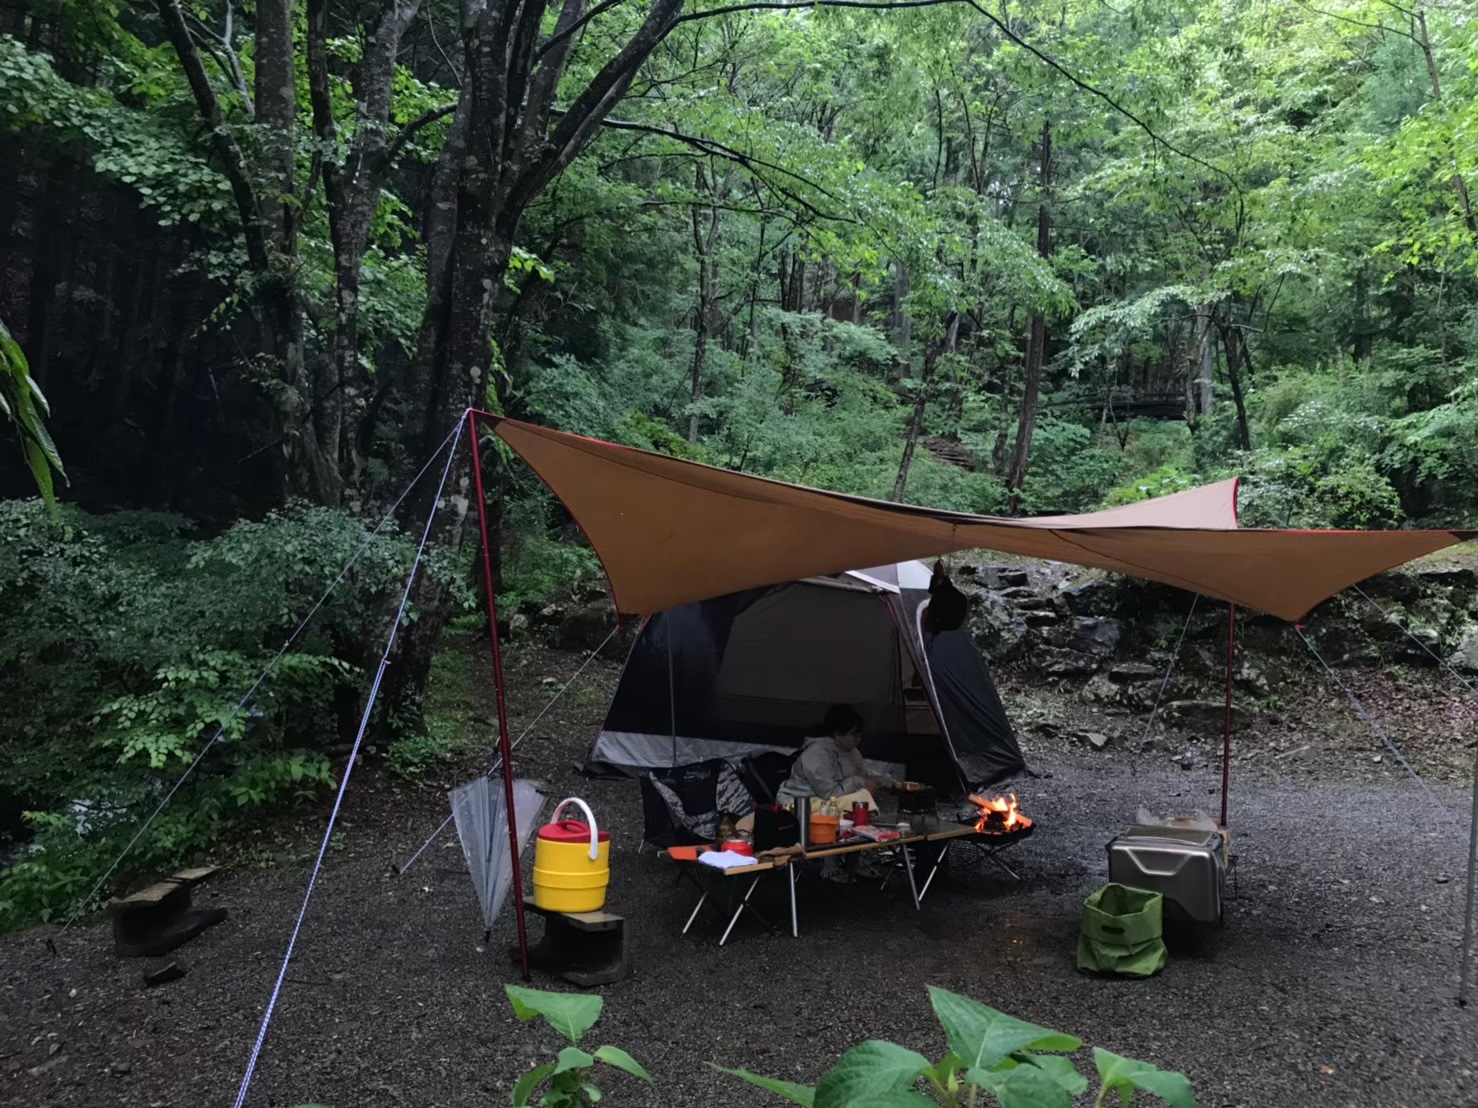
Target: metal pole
(503, 746)
(671, 688)
(1466, 971)
(1226, 740)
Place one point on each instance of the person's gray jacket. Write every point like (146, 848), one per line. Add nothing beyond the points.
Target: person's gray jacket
(824, 769)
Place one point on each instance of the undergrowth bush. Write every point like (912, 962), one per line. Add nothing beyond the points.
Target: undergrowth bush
(125, 644)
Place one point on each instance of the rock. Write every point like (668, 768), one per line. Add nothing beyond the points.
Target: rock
(1465, 579)
(518, 625)
(997, 628)
(1013, 578)
(1185, 761)
(1421, 646)
(584, 629)
(45, 1067)
(1203, 712)
(1043, 617)
(1092, 635)
(1250, 679)
(55, 1048)
(1022, 597)
(1090, 598)
(1442, 878)
(1097, 739)
(163, 975)
(1066, 663)
(1393, 586)
(1100, 689)
(551, 615)
(120, 1069)
(995, 577)
(1464, 659)
(1127, 673)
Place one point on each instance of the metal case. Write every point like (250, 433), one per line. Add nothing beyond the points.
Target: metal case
(1187, 867)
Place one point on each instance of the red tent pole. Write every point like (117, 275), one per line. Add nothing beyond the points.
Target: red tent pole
(503, 746)
(1226, 741)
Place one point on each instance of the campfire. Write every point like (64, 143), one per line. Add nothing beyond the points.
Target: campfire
(999, 815)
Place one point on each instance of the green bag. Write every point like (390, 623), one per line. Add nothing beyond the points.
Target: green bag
(1120, 916)
(1143, 960)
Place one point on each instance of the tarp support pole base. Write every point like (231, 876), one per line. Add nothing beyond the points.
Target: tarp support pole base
(1466, 971)
(1226, 738)
(503, 746)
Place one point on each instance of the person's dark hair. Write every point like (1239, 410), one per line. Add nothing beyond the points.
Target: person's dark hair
(841, 720)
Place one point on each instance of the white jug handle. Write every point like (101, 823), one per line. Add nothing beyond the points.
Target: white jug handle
(589, 818)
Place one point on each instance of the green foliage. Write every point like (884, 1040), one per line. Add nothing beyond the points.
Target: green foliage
(22, 403)
(128, 643)
(568, 1077)
(1020, 1065)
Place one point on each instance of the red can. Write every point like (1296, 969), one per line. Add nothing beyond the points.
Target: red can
(861, 815)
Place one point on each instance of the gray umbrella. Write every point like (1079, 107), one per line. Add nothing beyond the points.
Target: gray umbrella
(482, 825)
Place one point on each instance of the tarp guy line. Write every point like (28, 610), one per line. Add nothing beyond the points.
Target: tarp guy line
(369, 706)
(251, 692)
(498, 764)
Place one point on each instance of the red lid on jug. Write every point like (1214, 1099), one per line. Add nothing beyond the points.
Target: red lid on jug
(570, 831)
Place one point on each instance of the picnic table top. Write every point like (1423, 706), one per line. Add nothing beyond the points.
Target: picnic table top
(945, 831)
(161, 890)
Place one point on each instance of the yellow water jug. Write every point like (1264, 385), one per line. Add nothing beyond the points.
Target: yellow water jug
(572, 863)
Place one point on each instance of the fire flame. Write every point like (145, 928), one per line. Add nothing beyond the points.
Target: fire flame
(999, 815)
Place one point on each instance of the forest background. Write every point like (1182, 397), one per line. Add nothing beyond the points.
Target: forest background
(1006, 257)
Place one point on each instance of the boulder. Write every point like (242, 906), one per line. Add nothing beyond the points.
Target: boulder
(550, 615)
(1093, 635)
(1129, 673)
(997, 628)
(1464, 659)
(1100, 690)
(1066, 663)
(1250, 679)
(585, 628)
(1043, 617)
(1091, 598)
(1202, 713)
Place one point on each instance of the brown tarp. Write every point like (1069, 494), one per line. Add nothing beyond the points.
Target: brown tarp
(672, 532)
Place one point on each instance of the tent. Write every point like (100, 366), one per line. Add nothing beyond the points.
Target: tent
(755, 670)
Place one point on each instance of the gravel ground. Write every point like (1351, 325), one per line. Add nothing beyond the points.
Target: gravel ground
(1332, 983)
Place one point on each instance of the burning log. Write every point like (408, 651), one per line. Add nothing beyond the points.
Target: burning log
(999, 815)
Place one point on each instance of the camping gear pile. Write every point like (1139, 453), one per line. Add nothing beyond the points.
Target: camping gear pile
(1121, 932)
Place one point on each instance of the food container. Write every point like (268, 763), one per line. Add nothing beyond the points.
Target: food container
(823, 830)
(739, 846)
(861, 815)
(1185, 865)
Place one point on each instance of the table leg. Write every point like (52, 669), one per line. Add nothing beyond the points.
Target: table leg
(938, 861)
(739, 911)
(912, 885)
(696, 909)
(795, 929)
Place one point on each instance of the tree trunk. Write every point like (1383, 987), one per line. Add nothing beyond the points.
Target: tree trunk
(277, 110)
(901, 324)
(1036, 341)
(705, 242)
(1234, 342)
(921, 401)
(1206, 321)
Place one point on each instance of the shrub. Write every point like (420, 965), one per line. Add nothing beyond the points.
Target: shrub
(126, 643)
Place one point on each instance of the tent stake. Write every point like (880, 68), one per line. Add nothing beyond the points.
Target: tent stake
(1466, 971)
(503, 747)
(1226, 740)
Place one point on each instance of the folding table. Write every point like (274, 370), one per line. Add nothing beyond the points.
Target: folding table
(737, 897)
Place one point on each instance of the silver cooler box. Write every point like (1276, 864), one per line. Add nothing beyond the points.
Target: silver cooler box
(1186, 867)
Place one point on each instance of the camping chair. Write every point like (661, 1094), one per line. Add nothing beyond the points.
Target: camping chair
(695, 796)
(763, 774)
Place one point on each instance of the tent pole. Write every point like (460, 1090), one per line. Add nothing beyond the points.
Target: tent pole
(503, 746)
(1466, 971)
(1226, 739)
(671, 688)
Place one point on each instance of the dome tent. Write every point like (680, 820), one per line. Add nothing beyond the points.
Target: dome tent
(754, 671)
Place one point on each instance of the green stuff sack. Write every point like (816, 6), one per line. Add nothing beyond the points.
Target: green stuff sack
(1144, 960)
(1121, 916)
(1121, 932)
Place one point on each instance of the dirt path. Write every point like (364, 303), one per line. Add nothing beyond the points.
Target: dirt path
(1331, 986)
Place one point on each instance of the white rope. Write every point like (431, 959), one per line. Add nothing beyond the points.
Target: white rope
(369, 706)
(257, 684)
(513, 746)
(1174, 657)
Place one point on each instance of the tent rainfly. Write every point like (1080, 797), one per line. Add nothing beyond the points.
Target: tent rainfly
(755, 671)
(671, 532)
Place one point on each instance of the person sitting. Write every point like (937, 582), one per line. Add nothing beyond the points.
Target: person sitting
(831, 766)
